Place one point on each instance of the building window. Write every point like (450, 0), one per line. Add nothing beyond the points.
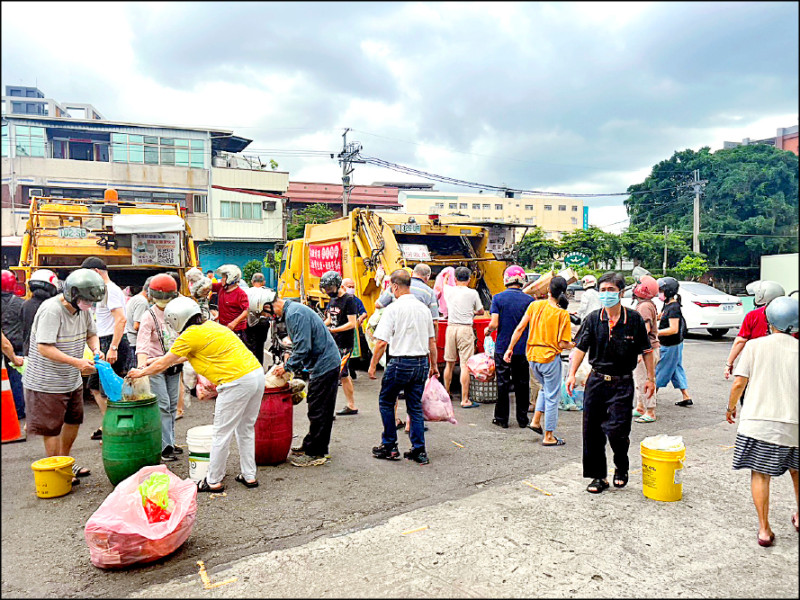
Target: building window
(574, 208)
(487, 207)
(246, 211)
(574, 220)
(498, 207)
(562, 207)
(476, 206)
(529, 220)
(548, 207)
(230, 210)
(439, 205)
(200, 204)
(6, 143)
(453, 205)
(30, 141)
(462, 205)
(529, 207)
(151, 150)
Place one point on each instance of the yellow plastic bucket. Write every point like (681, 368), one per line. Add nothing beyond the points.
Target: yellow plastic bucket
(662, 474)
(53, 476)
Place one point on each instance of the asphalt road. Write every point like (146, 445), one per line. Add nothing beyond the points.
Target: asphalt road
(45, 554)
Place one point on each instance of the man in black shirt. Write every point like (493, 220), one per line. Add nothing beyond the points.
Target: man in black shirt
(614, 336)
(341, 319)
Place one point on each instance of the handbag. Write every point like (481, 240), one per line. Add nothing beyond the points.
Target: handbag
(171, 370)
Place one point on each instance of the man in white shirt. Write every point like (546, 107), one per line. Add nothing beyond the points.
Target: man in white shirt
(134, 310)
(406, 327)
(110, 317)
(463, 303)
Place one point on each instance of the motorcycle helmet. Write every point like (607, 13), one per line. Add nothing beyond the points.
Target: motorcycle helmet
(647, 288)
(258, 297)
(590, 281)
(162, 287)
(232, 274)
(782, 314)
(669, 286)
(330, 282)
(766, 291)
(9, 282)
(84, 284)
(44, 279)
(178, 312)
(514, 274)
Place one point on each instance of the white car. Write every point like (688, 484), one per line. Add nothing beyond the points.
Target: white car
(703, 307)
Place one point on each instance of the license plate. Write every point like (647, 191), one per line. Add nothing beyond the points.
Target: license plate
(409, 228)
(727, 307)
(72, 232)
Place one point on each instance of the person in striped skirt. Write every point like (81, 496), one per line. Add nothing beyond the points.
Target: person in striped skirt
(767, 435)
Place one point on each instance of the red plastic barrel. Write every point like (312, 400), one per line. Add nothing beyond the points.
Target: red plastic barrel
(274, 427)
(478, 325)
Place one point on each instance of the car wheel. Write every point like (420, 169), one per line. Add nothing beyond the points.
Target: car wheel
(717, 332)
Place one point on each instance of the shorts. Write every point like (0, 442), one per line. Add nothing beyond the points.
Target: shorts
(47, 413)
(459, 343)
(344, 370)
(120, 365)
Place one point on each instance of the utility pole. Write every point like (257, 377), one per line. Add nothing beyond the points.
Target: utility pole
(664, 269)
(698, 189)
(347, 157)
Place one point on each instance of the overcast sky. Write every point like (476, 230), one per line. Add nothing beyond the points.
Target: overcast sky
(568, 97)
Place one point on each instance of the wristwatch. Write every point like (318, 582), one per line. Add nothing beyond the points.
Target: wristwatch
(112, 347)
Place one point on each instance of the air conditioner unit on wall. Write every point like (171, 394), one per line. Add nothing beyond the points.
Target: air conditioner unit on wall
(269, 205)
(32, 192)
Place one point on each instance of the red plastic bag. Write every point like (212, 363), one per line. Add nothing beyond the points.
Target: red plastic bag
(118, 533)
(481, 366)
(205, 389)
(436, 403)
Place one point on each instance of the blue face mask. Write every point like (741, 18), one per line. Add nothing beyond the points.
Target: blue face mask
(609, 299)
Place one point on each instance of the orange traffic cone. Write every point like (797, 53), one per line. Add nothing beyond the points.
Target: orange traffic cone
(9, 423)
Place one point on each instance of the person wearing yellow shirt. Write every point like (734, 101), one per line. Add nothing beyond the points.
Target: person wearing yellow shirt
(549, 333)
(218, 354)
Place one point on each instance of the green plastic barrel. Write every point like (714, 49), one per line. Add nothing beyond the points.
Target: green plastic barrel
(131, 437)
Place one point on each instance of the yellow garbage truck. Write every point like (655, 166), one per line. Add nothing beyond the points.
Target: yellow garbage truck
(135, 239)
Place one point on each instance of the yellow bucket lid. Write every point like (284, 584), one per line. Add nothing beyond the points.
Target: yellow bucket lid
(53, 462)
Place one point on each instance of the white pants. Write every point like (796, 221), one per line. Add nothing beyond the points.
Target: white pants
(236, 411)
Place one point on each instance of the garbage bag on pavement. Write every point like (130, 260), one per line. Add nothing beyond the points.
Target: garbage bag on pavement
(436, 403)
(119, 534)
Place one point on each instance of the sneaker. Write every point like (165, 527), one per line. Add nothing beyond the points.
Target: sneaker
(298, 451)
(177, 450)
(98, 434)
(308, 461)
(418, 455)
(347, 411)
(387, 451)
(168, 454)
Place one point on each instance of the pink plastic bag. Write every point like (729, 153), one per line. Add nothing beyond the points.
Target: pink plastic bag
(481, 366)
(205, 389)
(447, 277)
(118, 533)
(436, 404)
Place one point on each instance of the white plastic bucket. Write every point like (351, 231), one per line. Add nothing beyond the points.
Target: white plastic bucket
(198, 439)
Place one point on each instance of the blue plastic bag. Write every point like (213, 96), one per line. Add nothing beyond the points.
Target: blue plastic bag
(567, 402)
(111, 382)
(488, 346)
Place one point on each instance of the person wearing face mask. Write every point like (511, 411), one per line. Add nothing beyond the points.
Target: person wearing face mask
(313, 348)
(53, 386)
(672, 330)
(548, 334)
(647, 288)
(614, 337)
(154, 339)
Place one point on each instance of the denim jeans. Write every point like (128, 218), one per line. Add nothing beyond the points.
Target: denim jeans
(670, 368)
(166, 389)
(408, 375)
(549, 376)
(15, 380)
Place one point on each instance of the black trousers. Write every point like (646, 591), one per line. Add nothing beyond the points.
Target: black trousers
(516, 374)
(607, 414)
(256, 338)
(321, 398)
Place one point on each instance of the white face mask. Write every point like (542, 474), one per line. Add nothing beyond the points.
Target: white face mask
(85, 305)
(350, 291)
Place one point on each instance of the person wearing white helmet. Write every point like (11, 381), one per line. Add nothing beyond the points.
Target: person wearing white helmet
(232, 300)
(590, 299)
(257, 324)
(755, 322)
(767, 436)
(218, 354)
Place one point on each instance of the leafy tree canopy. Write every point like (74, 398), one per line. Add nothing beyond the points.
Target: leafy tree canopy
(250, 268)
(751, 190)
(316, 213)
(600, 245)
(535, 248)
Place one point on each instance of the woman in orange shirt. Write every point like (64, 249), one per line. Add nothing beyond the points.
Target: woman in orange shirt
(549, 332)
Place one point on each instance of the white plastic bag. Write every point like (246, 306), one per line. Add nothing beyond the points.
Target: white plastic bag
(663, 442)
(582, 374)
(436, 403)
(274, 381)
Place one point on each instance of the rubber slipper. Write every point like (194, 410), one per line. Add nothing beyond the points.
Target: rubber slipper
(597, 486)
(645, 419)
(766, 543)
(619, 476)
(204, 487)
(538, 430)
(75, 481)
(251, 484)
(80, 471)
(636, 413)
(796, 522)
(559, 442)
(473, 405)
(687, 402)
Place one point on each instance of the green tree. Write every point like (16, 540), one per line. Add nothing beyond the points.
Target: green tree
(316, 213)
(250, 268)
(691, 267)
(751, 190)
(535, 248)
(646, 248)
(272, 164)
(599, 245)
